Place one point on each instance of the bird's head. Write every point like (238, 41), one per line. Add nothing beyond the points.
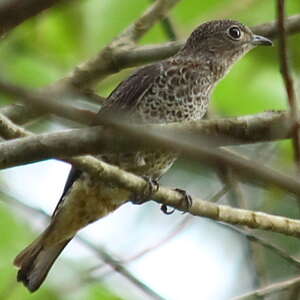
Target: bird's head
(226, 39)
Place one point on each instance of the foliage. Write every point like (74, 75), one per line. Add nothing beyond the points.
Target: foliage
(48, 46)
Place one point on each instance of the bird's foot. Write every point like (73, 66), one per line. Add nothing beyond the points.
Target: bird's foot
(151, 188)
(186, 201)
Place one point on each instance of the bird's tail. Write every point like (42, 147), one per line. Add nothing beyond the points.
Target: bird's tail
(35, 261)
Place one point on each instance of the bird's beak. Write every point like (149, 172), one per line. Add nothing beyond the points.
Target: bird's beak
(260, 40)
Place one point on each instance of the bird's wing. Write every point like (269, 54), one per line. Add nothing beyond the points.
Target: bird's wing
(123, 99)
(74, 174)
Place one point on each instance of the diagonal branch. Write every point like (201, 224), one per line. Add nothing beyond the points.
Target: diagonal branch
(168, 28)
(14, 12)
(102, 253)
(266, 244)
(105, 61)
(262, 127)
(110, 61)
(137, 185)
(270, 289)
(43, 102)
(54, 145)
(154, 13)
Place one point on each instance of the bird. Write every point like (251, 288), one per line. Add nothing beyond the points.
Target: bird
(176, 89)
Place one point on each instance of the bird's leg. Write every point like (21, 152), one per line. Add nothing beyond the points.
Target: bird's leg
(186, 200)
(151, 188)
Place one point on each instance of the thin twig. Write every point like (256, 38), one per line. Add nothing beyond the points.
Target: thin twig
(44, 103)
(106, 62)
(100, 251)
(119, 268)
(9, 131)
(168, 28)
(236, 198)
(174, 232)
(288, 80)
(113, 58)
(270, 289)
(266, 244)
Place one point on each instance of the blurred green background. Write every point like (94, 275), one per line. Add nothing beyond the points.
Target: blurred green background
(47, 47)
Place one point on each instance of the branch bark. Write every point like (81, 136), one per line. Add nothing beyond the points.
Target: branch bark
(100, 251)
(270, 289)
(106, 61)
(14, 12)
(109, 61)
(113, 59)
(288, 80)
(96, 140)
(137, 185)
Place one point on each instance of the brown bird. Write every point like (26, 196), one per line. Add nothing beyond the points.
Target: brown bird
(173, 90)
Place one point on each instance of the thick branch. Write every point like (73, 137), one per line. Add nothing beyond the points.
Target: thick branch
(248, 129)
(137, 185)
(96, 140)
(14, 12)
(202, 208)
(267, 126)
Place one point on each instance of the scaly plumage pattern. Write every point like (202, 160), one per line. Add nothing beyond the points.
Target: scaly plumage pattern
(173, 90)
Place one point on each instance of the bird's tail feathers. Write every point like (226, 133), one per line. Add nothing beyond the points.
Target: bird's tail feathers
(35, 261)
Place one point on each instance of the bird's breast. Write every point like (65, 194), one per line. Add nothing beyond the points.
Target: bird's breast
(178, 94)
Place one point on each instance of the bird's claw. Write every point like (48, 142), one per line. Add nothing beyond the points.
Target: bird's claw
(186, 201)
(152, 187)
(164, 209)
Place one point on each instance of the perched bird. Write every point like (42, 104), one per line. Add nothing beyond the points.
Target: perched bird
(173, 90)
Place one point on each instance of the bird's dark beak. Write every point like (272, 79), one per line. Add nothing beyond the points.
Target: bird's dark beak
(260, 40)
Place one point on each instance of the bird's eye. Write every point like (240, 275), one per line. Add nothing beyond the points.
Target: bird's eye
(234, 33)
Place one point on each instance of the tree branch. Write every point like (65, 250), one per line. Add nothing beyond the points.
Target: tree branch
(270, 289)
(109, 61)
(266, 244)
(44, 103)
(175, 199)
(267, 126)
(129, 137)
(106, 61)
(14, 12)
(112, 59)
(137, 185)
(262, 127)
(288, 81)
(102, 253)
